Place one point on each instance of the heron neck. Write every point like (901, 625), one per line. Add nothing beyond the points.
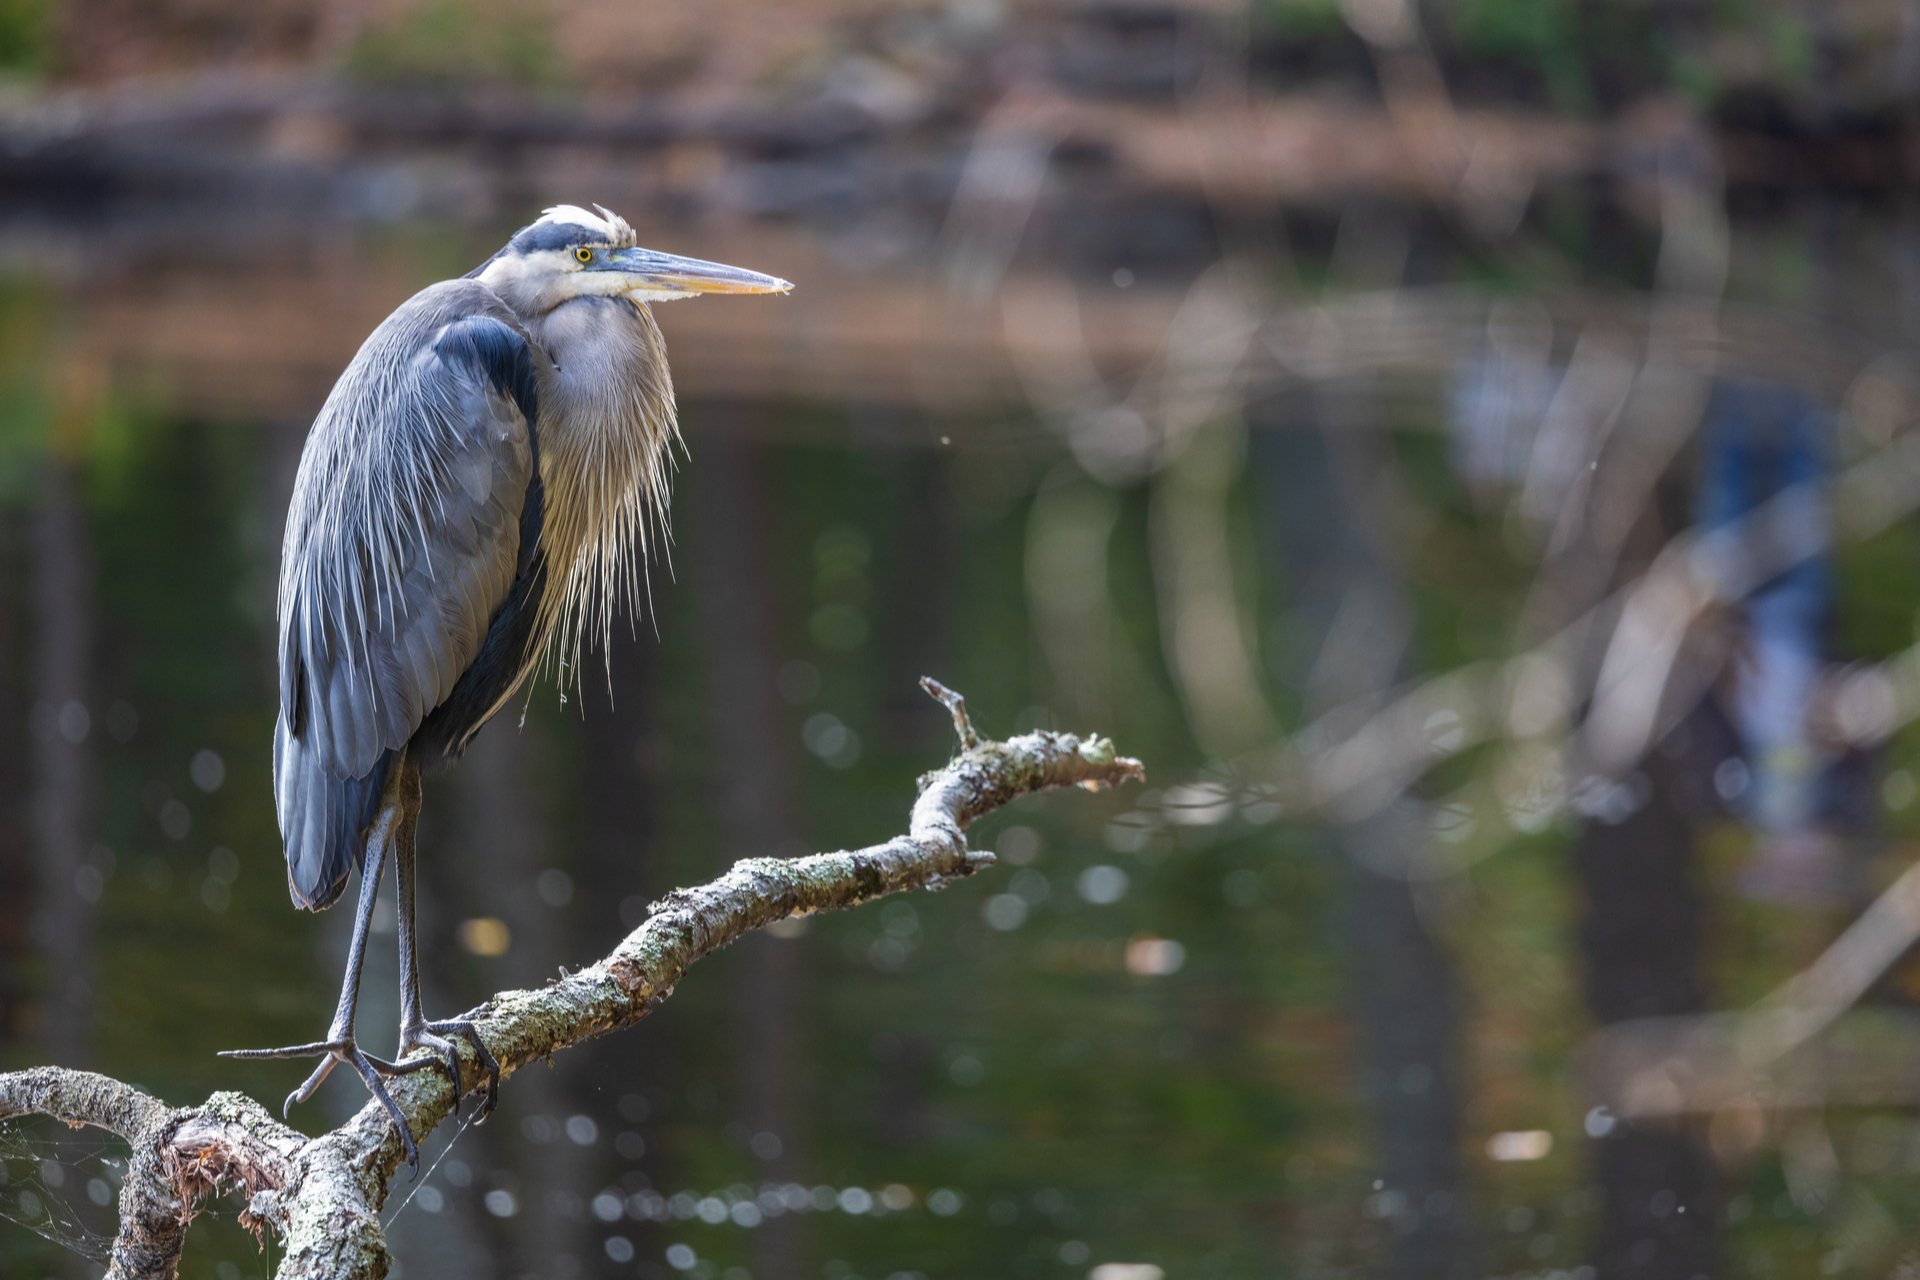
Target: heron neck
(607, 428)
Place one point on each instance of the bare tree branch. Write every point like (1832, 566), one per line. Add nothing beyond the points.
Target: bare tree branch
(323, 1195)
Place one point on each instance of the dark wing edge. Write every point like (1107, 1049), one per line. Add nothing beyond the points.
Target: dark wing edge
(365, 659)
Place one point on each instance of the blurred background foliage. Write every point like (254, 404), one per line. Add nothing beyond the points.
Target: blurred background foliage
(1464, 448)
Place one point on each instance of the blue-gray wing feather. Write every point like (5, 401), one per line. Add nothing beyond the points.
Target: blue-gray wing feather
(403, 541)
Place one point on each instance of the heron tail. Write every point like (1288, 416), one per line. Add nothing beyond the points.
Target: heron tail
(323, 819)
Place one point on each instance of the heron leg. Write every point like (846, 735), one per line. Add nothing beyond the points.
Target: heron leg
(339, 1045)
(415, 1031)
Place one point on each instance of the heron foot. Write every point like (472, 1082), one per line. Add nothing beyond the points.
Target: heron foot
(373, 1072)
(433, 1036)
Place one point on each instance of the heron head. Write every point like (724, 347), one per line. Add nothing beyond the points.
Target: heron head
(572, 253)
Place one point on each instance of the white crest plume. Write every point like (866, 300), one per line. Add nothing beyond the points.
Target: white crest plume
(616, 228)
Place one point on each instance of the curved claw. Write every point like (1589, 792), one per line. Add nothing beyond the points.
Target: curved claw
(313, 1082)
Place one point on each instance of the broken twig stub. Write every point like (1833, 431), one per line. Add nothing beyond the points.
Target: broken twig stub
(956, 707)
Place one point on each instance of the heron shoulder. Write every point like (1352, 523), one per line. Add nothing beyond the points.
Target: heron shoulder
(394, 374)
(443, 303)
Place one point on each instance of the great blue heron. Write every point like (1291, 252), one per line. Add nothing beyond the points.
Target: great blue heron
(472, 499)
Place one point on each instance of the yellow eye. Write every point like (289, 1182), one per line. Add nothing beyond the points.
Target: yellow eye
(583, 255)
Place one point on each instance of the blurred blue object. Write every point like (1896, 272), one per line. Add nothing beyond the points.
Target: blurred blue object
(1760, 443)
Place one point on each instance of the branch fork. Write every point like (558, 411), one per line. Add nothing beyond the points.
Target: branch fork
(322, 1196)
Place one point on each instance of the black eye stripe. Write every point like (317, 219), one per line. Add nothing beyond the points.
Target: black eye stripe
(554, 235)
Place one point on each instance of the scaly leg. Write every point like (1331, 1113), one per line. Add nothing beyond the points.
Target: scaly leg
(339, 1046)
(415, 1031)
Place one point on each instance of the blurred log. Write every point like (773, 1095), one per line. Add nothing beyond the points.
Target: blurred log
(265, 342)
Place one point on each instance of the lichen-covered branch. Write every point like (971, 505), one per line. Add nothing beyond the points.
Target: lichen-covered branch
(322, 1196)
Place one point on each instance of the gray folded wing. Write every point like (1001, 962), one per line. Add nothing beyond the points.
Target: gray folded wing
(403, 540)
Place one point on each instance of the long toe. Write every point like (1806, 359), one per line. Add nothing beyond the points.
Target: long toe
(291, 1051)
(488, 1063)
(378, 1088)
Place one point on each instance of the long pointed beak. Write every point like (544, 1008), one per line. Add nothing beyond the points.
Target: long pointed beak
(665, 275)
